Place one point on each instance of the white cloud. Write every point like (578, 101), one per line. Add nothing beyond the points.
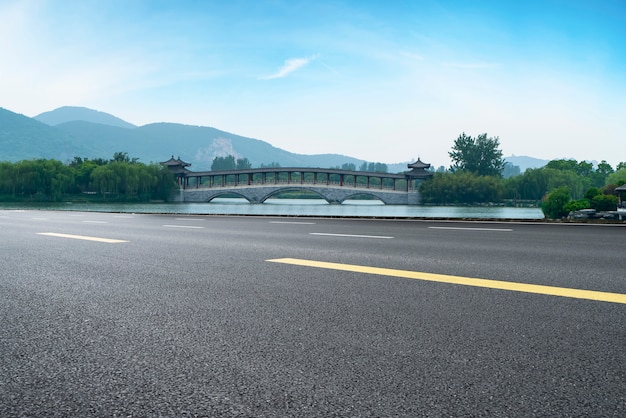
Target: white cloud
(471, 65)
(290, 66)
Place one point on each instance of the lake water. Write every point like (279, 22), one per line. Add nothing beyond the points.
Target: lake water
(294, 207)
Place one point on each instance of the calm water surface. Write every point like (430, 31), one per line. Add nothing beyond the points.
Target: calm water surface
(293, 207)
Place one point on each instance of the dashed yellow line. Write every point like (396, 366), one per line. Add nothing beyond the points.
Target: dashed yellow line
(464, 281)
(82, 237)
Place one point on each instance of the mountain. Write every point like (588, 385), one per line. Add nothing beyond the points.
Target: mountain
(524, 162)
(69, 131)
(23, 138)
(71, 113)
(76, 134)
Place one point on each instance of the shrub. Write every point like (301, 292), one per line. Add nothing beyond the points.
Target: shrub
(604, 202)
(553, 204)
(574, 205)
(591, 193)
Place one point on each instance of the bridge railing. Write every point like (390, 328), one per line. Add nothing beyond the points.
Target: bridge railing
(241, 184)
(259, 183)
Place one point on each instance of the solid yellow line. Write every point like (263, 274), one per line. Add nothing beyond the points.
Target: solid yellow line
(465, 281)
(83, 237)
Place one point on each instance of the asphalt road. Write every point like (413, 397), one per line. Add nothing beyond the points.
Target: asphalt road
(185, 316)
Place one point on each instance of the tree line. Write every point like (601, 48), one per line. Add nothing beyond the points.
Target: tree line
(120, 178)
(559, 187)
(475, 177)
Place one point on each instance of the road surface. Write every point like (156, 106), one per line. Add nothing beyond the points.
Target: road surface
(120, 315)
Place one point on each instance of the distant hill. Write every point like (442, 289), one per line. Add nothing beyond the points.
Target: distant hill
(197, 145)
(71, 113)
(23, 138)
(69, 131)
(72, 135)
(524, 162)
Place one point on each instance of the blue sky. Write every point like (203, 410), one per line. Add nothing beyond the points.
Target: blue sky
(382, 81)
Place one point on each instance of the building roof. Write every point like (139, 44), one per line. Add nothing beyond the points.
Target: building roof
(177, 166)
(419, 170)
(172, 162)
(621, 188)
(419, 164)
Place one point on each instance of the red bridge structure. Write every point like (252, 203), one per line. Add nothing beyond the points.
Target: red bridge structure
(335, 186)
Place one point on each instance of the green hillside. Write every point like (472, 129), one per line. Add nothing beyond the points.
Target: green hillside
(73, 113)
(23, 138)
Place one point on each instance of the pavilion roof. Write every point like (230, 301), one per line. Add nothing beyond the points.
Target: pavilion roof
(419, 164)
(173, 162)
(419, 169)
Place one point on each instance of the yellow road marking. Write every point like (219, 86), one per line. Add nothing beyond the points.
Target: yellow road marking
(465, 281)
(83, 237)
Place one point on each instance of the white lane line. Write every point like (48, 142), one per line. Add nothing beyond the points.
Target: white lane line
(95, 222)
(40, 219)
(82, 237)
(292, 223)
(123, 217)
(189, 219)
(471, 229)
(350, 235)
(183, 226)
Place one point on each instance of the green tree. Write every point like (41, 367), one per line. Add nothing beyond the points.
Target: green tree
(574, 205)
(510, 170)
(122, 157)
(481, 155)
(582, 168)
(553, 204)
(461, 188)
(6, 178)
(380, 168)
(535, 183)
(271, 165)
(602, 172)
(105, 180)
(224, 163)
(591, 193)
(243, 164)
(604, 202)
(163, 182)
(82, 175)
(56, 179)
(348, 166)
(618, 177)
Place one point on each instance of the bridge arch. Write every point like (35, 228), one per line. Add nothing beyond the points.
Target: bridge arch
(292, 189)
(365, 193)
(226, 193)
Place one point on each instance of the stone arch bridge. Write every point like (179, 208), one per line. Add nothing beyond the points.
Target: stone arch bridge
(335, 186)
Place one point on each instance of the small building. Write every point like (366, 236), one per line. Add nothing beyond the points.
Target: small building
(621, 203)
(179, 168)
(419, 172)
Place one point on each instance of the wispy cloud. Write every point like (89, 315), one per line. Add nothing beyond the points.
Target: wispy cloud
(471, 65)
(290, 65)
